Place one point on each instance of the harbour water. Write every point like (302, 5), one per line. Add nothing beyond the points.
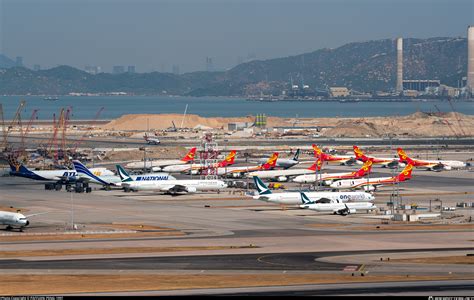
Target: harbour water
(85, 108)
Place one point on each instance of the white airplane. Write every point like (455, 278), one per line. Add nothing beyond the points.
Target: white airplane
(328, 178)
(431, 165)
(173, 186)
(151, 140)
(15, 220)
(334, 206)
(284, 163)
(239, 171)
(196, 168)
(294, 198)
(53, 175)
(157, 165)
(347, 160)
(284, 175)
(114, 180)
(371, 184)
(385, 162)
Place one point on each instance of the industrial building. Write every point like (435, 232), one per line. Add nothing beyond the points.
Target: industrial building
(420, 85)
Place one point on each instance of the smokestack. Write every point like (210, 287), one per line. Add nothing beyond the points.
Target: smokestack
(470, 59)
(399, 87)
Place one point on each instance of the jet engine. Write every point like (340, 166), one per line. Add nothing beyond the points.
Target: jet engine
(191, 189)
(282, 178)
(155, 169)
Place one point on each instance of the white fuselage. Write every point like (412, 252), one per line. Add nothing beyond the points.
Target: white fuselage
(166, 185)
(55, 175)
(117, 181)
(279, 173)
(181, 168)
(448, 164)
(294, 198)
(281, 163)
(13, 219)
(354, 183)
(327, 178)
(338, 206)
(157, 164)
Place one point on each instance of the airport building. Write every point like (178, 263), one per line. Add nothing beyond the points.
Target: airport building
(420, 85)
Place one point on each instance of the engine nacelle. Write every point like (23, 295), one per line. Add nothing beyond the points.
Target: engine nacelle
(155, 169)
(236, 175)
(369, 188)
(282, 178)
(327, 182)
(194, 172)
(448, 168)
(191, 189)
(352, 211)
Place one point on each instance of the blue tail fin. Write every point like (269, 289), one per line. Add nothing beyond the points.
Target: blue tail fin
(123, 174)
(81, 169)
(19, 168)
(297, 155)
(261, 186)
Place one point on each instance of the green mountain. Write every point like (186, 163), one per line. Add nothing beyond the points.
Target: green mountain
(362, 66)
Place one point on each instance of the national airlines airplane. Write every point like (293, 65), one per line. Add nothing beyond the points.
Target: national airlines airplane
(334, 206)
(385, 162)
(371, 184)
(341, 159)
(157, 165)
(328, 178)
(432, 165)
(294, 198)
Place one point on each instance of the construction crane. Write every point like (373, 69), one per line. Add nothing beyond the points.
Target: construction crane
(64, 125)
(4, 129)
(16, 120)
(52, 142)
(456, 116)
(22, 150)
(77, 143)
(445, 121)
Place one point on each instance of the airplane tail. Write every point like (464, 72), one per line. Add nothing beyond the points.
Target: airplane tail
(406, 173)
(271, 162)
(365, 169)
(190, 155)
(403, 156)
(317, 151)
(297, 155)
(305, 199)
(359, 154)
(17, 167)
(318, 163)
(229, 160)
(261, 186)
(81, 169)
(124, 177)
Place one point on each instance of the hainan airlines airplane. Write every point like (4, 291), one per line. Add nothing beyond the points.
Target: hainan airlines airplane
(334, 206)
(285, 163)
(329, 178)
(239, 171)
(157, 165)
(347, 160)
(15, 220)
(284, 175)
(173, 187)
(385, 162)
(294, 198)
(431, 165)
(371, 184)
(196, 168)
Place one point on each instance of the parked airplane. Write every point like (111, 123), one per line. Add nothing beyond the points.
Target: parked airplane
(151, 140)
(284, 175)
(347, 160)
(173, 186)
(15, 220)
(329, 178)
(386, 162)
(52, 175)
(290, 198)
(432, 165)
(371, 184)
(334, 206)
(239, 171)
(196, 168)
(285, 163)
(114, 180)
(157, 165)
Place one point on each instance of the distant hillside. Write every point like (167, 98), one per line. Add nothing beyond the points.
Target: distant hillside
(363, 66)
(6, 62)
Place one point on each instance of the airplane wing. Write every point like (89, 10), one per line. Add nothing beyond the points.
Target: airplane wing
(176, 188)
(32, 215)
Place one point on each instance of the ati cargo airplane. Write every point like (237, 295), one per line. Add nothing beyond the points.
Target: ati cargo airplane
(157, 165)
(431, 165)
(329, 178)
(370, 184)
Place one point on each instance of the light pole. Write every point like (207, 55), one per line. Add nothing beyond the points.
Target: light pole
(72, 211)
(144, 158)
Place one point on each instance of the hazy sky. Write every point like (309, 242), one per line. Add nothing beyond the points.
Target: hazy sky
(156, 34)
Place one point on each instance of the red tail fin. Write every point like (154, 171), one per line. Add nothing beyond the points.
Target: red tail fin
(271, 162)
(365, 169)
(190, 155)
(318, 163)
(229, 160)
(317, 151)
(406, 173)
(359, 154)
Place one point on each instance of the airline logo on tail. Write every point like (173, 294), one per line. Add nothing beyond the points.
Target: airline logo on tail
(366, 168)
(317, 151)
(403, 156)
(271, 162)
(318, 163)
(359, 154)
(305, 199)
(81, 169)
(190, 155)
(229, 160)
(297, 155)
(261, 187)
(406, 173)
(123, 174)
